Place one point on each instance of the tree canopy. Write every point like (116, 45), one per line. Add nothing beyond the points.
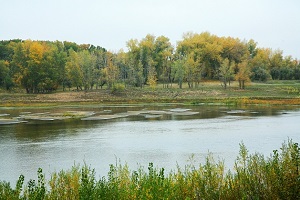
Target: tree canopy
(44, 66)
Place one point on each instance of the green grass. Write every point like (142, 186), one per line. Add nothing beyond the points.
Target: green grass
(271, 92)
(253, 177)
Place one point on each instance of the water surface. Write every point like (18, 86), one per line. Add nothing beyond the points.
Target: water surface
(167, 140)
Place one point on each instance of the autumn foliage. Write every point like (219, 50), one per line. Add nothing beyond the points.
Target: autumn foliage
(44, 66)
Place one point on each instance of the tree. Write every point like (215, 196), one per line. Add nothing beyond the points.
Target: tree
(121, 61)
(7, 49)
(70, 45)
(288, 68)
(252, 48)
(235, 50)
(136, 71)
(211, 58)
(297, 72)
(179, 71)
(5, 77)
(276, 61)
(190, 69)
(52, 65)
(243, 74)
(73, 69)
(163, 51)
(87, 64)
(99, 72)
(152, 77)
(206, 51)
(286, 73)
(226, 72)
(43, 66)
(112, 71)
(34, 67)
(259, 74)
(59, 59)
(147, 47)
(260, 65)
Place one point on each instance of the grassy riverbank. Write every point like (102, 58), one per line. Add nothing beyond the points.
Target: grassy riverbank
(272, 92)
(253, 177)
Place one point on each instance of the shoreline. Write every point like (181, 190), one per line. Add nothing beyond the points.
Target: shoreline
(208, 92)
(49, 102)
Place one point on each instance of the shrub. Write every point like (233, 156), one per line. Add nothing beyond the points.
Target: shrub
(253, 177)
(117, 87)
(259, 74)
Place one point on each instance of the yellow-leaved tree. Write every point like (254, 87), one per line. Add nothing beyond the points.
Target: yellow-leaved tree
(152, 76)
(243, 74)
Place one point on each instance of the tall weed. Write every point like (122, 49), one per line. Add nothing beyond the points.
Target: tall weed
(253, 177)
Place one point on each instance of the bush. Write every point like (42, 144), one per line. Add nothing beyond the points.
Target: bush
(297, 73)
(117, 88)
(254, 177)
(286, 73)
(259, 74)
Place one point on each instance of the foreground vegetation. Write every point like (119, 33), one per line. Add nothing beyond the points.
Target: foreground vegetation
(253, 177)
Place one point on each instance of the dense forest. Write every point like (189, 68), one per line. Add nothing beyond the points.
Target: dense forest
(45, 66)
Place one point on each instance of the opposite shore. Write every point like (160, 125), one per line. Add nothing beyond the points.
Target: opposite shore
(282, 93)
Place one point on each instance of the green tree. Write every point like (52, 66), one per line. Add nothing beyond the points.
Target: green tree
(205, 50)
(59, 59)
(70, 45)
(297, 72)
(259, 74)
(252, 48)
(99, 72)
(74, 72)
(179, 71)
(50, 69)
(5, 76)
(147, 47)
(121, 61)
(275, 63)
(7, 49)
(136, 75)
(260, 64)
(163, 51)
(190, 69)
(288, 68)
(226, 72)
(112, 71)
(87, 66)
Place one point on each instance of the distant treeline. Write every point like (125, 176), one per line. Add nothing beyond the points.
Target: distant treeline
(44, 66)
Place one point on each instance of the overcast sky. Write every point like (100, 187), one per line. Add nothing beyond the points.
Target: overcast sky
(111, 23)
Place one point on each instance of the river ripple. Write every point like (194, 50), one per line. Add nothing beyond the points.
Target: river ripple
(167, 141)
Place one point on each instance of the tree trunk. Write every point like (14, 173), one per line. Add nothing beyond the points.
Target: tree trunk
(225, 83)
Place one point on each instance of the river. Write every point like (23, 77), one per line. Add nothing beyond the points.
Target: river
(169, 136)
